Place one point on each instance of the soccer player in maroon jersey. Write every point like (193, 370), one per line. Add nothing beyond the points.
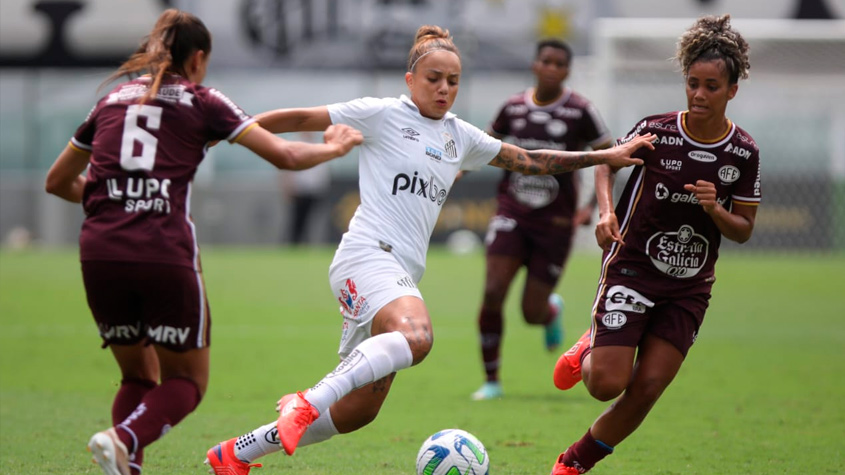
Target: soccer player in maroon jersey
(536, 216)
(701, 182)
(141, 145)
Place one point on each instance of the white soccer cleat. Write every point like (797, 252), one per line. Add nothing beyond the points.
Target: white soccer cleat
(109, 452)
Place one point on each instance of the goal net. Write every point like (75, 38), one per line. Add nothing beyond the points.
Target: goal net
(793, 104)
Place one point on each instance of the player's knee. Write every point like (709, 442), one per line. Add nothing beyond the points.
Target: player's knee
(605, 387)
(421, 345)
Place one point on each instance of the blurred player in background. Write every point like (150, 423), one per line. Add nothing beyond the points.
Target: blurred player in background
(142, 144)
(701, 182)
(413, 149)
(536, 217)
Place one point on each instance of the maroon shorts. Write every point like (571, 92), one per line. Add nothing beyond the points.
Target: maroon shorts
(542, 251)
(156, 303)
(623, 316)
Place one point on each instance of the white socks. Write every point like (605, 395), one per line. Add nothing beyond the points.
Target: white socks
(265, 439)
(373, 359)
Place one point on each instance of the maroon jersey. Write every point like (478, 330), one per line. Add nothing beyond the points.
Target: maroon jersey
(143, 161)
(671, 244)
(569, 123)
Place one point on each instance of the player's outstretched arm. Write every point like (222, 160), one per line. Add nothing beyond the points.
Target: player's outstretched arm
(550, 162)
(65, 178)
(291, 155)
(309, 119)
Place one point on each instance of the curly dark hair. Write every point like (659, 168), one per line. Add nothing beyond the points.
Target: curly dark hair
(712, 38)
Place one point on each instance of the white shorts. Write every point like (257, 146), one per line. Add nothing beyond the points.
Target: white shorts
(364, 280)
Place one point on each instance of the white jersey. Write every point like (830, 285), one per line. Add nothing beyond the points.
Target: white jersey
(407, 164)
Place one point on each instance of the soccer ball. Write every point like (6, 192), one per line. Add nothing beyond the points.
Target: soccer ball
(452, 452)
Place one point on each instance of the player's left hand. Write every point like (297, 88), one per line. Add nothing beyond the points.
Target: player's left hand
(705, 192)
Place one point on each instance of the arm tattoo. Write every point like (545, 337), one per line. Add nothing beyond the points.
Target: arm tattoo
(545, 162)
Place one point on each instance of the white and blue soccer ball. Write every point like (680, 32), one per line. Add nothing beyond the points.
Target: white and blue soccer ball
(452, 452)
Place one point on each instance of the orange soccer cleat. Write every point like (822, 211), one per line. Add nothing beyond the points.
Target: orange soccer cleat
(568, 367)
(561, 469)
(221, 458)
(294, 418)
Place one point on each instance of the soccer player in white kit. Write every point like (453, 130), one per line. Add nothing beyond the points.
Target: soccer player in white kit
(412, 151)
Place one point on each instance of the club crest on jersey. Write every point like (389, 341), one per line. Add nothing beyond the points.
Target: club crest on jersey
(450, 147)
(729, 174)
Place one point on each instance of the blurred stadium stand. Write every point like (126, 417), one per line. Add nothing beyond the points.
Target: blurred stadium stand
(269, 54)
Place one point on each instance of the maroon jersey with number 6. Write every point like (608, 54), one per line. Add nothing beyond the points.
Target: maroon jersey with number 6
(569, 123)
(671, 244)
(144, 157)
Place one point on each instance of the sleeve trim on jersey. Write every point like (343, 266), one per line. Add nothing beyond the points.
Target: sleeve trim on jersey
(741, 200)
(76, 144)
(235, 135)
(244, 131)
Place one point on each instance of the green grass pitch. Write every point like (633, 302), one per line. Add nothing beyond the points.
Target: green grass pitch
(761, 391)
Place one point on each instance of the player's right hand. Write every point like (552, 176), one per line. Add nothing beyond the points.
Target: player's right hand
(620, 155)
(344, 136)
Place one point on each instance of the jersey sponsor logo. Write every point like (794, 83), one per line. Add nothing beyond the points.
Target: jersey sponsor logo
(663, 126)
(410, 134)
(729, 174)
(556, 128)
(141, 194)
(518, 124)
(671, 164)
(434, 153)
(420, 187)
(757, 182)
(626, 299)
(569, 112)
(168, 334)
(174, 93)
(539, 117)
(351, 303)
(127, 92)
(517, 109)
(680, 254)
(702, 156)
(738, 151)
(533, 191)
(614, 320)
(449, 145)
(642, 125)
(225, 100)
(669, 140)
(119, 332)
(661, 192)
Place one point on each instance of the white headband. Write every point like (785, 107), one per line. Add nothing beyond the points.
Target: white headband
(414, 64)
